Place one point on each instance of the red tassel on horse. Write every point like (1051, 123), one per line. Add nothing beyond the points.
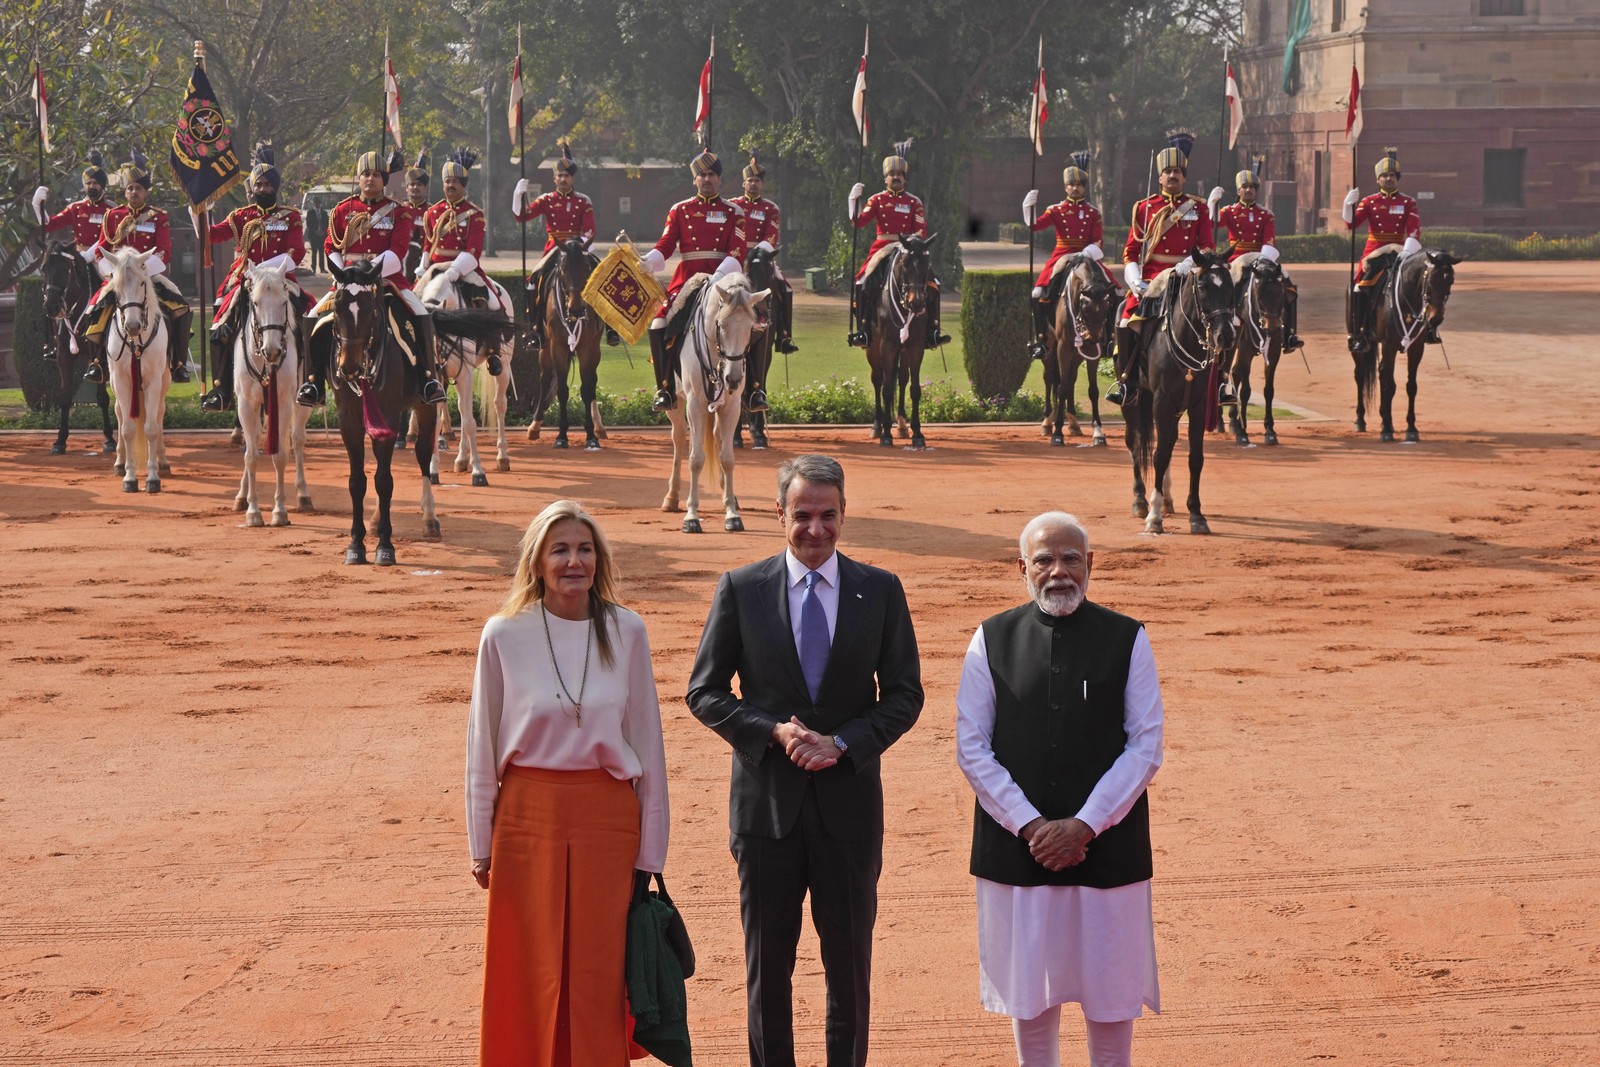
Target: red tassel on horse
(372, 418)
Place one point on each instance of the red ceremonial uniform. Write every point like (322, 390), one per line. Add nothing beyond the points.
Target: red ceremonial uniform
(1249, 227)
(147, 232)
(84, 217)
(1077, 224)
(565, 217)
(258, 235)
(761, 217)
(352, 236)
(896, 214)
(1390, 219)
(703, 233)
(1165, 231)
(451, 229)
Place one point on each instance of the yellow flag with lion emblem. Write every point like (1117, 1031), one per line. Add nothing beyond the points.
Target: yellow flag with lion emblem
(624, 293)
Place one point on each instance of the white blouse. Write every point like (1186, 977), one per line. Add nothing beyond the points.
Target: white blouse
(520, 715)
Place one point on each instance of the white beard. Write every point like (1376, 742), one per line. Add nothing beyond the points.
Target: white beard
(1056, 598)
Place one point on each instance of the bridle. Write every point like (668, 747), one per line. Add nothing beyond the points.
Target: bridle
(1090, 294)
(1212, 346)
(906, 300)
(565, 298)
(258, 331)
(1412, 321)
(705, 347)
(367, 371)
(1260, 324)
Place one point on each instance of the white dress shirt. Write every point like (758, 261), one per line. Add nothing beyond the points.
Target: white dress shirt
(827, 592)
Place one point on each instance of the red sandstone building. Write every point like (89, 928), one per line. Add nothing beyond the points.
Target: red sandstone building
(1493, 104)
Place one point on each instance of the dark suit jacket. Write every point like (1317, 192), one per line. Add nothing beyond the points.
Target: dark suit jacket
(871, 693)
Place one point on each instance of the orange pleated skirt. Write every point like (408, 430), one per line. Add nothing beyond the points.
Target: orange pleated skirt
(560, 875)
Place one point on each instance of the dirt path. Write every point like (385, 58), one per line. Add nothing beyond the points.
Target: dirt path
(230, 768)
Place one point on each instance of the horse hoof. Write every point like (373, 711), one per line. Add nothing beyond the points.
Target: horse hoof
(560, 442)
(1153, 525)
(304, 504)
(919, 443)
(430, 530)
(118, 468)
(58, 449)
(1387, 436)
(400, 443)
(279, 519)
(691, 526)
(355, 555)
(1360, 426)
(1198, 525)
(253, 520)
(433, 479)
(152, 485)
(1141, 508)
(241, 504)
(108, 445)
(1099, 441)
(502, 465)
(1074, 431)
(886, 441)
(1057, 441)
(733, 525)
(130, 486)
(533, 433)
(758, 442)
(164, 467)
(385, 557)
(1242, 440)
(1270, 438)
(480, 480)
(1168, 509)
(461, 466)
(1412, 438)
(592, 444)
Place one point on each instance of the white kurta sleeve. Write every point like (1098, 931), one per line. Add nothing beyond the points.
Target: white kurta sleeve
(483, 731)
(641, 729)
(997, 791)
(1142, 717)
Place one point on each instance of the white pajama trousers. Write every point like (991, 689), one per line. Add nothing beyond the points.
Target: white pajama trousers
(1039, 1041)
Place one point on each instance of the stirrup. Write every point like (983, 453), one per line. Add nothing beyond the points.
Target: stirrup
(787, 346)
(214, 401)
(1357, 342)
(1292, 341)
(310, 395)
(1118, 393)
(180, 373)
(95, 373)
(858, 339)
(613, 338)
(1036, 350)
(1225, 394)
(663, 401)
(938, 337)
(757, 400)
(433, 392)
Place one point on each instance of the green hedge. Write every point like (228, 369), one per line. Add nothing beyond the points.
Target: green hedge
(1335, 247)
(41, 383)
(996, 329)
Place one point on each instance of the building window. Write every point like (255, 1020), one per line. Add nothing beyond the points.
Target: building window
(1337, 23)
(1263, 20)
(1502, 176)
(1493, 8)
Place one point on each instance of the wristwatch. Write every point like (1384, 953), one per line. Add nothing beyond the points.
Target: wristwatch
(838, 743)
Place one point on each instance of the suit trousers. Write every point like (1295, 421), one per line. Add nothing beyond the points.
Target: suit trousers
(842, 877)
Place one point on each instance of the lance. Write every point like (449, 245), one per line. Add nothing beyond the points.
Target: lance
(861, 162)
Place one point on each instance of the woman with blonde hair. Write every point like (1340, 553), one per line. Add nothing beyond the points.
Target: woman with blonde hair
(566, 798)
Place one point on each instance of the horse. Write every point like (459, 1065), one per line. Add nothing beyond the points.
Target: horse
(710, 374)
(1196, 330)
(1260, 297)
(136, 351)
(266, 369)
(762, 271)
(461, 362)
(899, 336)
(1409, 312)
(1084, 316)
(69, 283)
(572, 329)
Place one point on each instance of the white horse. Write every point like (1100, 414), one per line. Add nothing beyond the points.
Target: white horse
(711, 382)
(136, 352)
(266, 370)
(462, 358)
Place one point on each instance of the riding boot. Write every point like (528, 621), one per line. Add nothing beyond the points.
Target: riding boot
(857, 338)
(664, 400)
(220, 398)
(1124, 362)
(433, 391)
(783, 319)
(178, 350)
(1291, 322)
(613, 338)
(314, 369)
(936, 336)
(1041, 325)
(95, 353)
(1358, 339)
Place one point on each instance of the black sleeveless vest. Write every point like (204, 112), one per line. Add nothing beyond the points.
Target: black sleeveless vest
(1059, 684)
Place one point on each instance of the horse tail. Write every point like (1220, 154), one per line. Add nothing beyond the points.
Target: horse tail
(484, 390)
(478, 325)
(1140, 428)
(712, 446)
(1367, 375)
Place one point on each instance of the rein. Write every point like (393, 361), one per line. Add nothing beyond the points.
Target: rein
(1256, 319)
(899, 296)
(367, 373)
(1189, 362)
(1411, 322)
(711, 370)
(573, 326)
(1079, 334)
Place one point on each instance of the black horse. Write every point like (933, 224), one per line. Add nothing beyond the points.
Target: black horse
(69, 283)
(762, 271)
(572, 331)
(1083, 317)
(1260, 297)
(1410, 310)
(899, 338)
(1195, 331)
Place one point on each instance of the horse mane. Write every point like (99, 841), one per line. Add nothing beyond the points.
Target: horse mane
(729, 291)
(128, 269)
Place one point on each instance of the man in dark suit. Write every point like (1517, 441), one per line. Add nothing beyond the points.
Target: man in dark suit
(828, 679)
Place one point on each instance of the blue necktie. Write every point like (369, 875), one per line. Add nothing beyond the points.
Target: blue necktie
(814, 639)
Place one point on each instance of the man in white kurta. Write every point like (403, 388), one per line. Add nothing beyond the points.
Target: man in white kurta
(1044, 708)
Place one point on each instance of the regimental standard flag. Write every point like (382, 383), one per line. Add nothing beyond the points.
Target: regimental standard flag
(41, 102)
(1039, 107)
(702, 103)
(1235, 108)
(624, 293)
(391, 95)
(202, 156)
(1352, 117)
(858, 99)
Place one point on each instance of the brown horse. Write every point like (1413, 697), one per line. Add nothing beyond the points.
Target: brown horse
(762, 271)
(69, 283)
(1410, 310)
(1260, 297)
(571, 330)
(1195, 331)
(899, 338)
(1084, 316)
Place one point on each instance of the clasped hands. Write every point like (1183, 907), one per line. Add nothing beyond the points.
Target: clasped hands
(807, 749)
(1057, 844)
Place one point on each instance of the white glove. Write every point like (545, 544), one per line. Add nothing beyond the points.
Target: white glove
(519, 196)
(1092, 250)
(1213, 198)
(1351, 199)
(452, 275)
(337, 259)
(1185, 266)
(766, 246)
(103, 265)
(1028, 204)
(463, 264)
(856, 192)
(729, 265)
(40, 195)
(389, 264)
(1411, 245)
(1269, 253)
(1131, 274)
(153, 263)
(281, 261)
(654, 261)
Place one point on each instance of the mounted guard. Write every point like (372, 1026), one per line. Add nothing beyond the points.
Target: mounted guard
(1167, 232)
(896, 213)
(1079, 230)
(262, 232)
(763, 230)
(372, 225)
(1394, 230)
(707, 232)
(1253, 231)
(568, 215)
(84, 217)
(453, 235)
(145, 229)
(417, 204)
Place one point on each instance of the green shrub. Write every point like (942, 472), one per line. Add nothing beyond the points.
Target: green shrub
(40, 381)
(1335, 247)
(996, 328)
